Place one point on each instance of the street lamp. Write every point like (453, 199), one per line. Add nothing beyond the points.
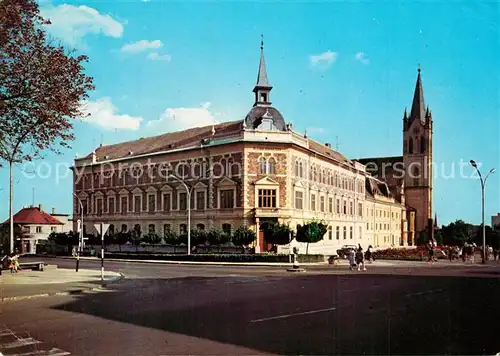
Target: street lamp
(188, 209)
(483, 182)
(80, 238)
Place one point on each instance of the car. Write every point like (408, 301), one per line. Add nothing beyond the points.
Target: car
(343, 252)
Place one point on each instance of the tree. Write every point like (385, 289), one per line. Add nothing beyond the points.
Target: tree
(152, 238)
(312, 232)
(456, 233)
(41, 89)
(198, 237)
(217, 237)
(277, 234)
(171, 238)
(63, 238)
(243, 236)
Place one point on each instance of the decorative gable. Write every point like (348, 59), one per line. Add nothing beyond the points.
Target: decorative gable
(200, 185)
(166, 188)
(226, 182)
(151, 190)
(137, 191)
(267, 181)
(123, 191)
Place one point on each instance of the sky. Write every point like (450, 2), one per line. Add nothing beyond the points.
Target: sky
(343, 71)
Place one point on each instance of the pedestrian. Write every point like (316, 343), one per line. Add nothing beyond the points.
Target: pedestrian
(431, 253)
(352, 262)
(360, 258)
(368, 254)
(495, 252)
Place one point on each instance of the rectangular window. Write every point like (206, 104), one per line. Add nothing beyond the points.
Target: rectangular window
(124, 204)
(351, 208)
(360, 209)
(182, 201)
(350, 232)
(99, 206)
(227, 199)
(337, 233)
(53, 229)
(137, 203)
(151, 203)
(299, 200)
(267, 198)
(166, 202)
(322, 203)
(345, 207)
(200, 200)
(345, 233)
(38, 229)
(330, 233)
(360, 232)
(337, 210)
(330, 205)
(111, 207)
(313, 202)
(367, 226)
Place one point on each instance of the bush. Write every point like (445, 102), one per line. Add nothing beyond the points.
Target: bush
(263, 258)
(277, 234)
(171, 238)
(413, 254)
(243, 236)
(198, 237)
(152, 238)
(217, 237)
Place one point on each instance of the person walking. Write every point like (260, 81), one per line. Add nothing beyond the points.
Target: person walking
(368, 254)
(360, 258)
(352, 262)
(431, 253)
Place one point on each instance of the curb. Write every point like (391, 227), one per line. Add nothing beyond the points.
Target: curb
(247, 264)
(58, 294)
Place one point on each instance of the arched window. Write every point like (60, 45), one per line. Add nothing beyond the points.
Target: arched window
(262, 165)
(182, 229)
(321, 176)
(111, 229)
(271, 166)
(151, 228)
(296, 168)
(422, 144)
(301, 169)
(124, 227)
(415, 174)
(200, 227)
(416, 142)
(410, 146)
(405, 146)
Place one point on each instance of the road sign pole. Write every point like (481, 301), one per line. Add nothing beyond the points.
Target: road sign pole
(102, 253)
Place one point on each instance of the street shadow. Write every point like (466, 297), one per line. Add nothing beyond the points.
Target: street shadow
(374, 314)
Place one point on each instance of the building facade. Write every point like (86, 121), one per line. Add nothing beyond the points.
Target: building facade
(495, 220)
(410, 176)
(32, 225)
(249, 172)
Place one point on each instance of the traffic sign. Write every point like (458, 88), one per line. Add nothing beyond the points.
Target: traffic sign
(78, 225)
(104, 228)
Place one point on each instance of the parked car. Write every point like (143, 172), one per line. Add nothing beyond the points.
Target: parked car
(343, 252)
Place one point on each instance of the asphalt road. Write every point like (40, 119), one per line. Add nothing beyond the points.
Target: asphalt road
(235, 310)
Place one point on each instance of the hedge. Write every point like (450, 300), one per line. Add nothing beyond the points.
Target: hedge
(267, 258)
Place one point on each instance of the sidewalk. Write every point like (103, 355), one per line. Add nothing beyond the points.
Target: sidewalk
(52, 281)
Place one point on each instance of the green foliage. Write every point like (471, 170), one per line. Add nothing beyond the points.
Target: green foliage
(217, 237)
(277, 234)
(171, 238)
(152, 238)
(456, 233)
(198, 237)
(243, 236)
(229, 257)
(121, 238)
(312, 232)
(63, 238)
(135, 236)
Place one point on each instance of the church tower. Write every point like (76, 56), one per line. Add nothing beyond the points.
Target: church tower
(417, 158)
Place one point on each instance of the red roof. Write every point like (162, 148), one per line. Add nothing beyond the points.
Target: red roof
(34, 216)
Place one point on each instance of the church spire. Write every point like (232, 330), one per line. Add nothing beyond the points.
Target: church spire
(262, 88)
(418, 105)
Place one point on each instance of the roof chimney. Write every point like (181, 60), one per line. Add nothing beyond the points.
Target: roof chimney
(53, 211)
(328, 145)
(40, 207)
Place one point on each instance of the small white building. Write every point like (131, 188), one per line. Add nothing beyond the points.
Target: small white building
(32, 224)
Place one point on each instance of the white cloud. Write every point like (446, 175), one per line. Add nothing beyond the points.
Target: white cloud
(141, 46)
(159, 57)
(72, 23)
(323, 60)
(104, 114)
(174, 119)
(362, 57)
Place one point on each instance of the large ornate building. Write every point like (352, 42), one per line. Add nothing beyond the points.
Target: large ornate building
(410, 176)
(246, 172)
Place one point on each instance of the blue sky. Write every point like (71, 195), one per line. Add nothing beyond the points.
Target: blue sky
(343, 70)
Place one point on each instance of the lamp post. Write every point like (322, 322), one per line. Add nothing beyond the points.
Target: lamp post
(188, 209)
(80, 237)
(483, 183)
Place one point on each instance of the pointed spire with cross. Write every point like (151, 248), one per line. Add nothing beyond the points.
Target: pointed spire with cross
(262, 87)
